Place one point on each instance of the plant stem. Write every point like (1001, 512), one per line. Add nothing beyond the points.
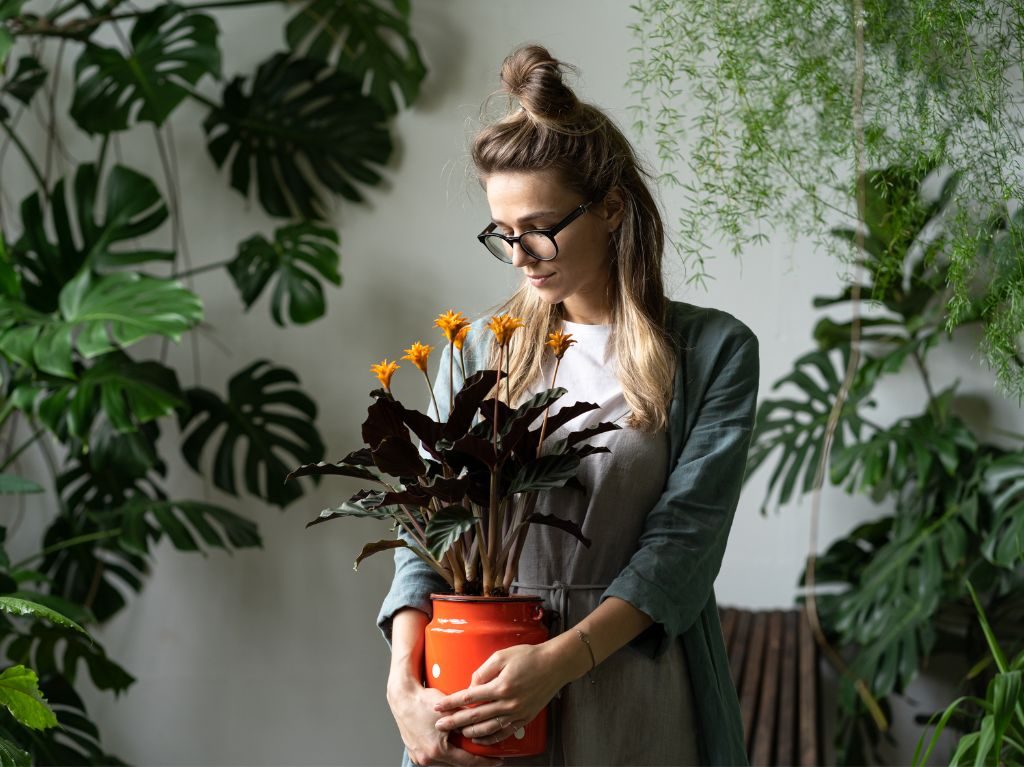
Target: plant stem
(462, 363)
(28, 159)
(544, 423)
(432, 397)
(87, 538)
(200, 269)
(22, 448)
(927, 383)
(200, 97)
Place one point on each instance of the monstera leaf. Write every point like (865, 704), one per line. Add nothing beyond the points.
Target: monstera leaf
(364, 38)
(294, 247)
(907, 450)
(116, 467)
(797, 426)
(113, 572)
(269, 416)
(109, 312)
(77, 740)
(132, 208)
(126, 392)
(23, 84)
(170, 51)
(144, 521)
(302, 125)
(52, 651)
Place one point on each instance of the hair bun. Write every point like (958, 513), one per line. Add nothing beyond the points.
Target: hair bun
(534, 77)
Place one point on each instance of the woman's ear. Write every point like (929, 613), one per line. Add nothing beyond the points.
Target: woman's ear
(614, 208)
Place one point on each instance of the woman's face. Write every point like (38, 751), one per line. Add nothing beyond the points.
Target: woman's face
(578, 276)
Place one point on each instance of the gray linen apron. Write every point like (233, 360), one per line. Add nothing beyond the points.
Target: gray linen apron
(637, 711)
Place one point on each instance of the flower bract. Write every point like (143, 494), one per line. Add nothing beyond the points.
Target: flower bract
(451, 323)
(503, 326)
(418, 354)
(384, 370)
(560, 342)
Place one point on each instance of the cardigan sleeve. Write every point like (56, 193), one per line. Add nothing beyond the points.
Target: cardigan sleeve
(671, 575)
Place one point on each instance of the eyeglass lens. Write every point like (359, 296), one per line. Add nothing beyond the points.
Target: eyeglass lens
(536, 244)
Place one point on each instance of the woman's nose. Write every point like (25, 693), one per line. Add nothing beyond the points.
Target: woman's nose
(519, 256)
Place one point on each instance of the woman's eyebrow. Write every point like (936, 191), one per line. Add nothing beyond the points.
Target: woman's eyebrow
(528, 217)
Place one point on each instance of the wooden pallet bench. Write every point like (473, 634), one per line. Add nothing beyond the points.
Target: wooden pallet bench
(774, 663)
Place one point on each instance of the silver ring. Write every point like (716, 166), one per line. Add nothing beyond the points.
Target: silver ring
(501, 724)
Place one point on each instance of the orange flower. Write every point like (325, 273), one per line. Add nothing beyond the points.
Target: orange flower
(503, 326)
(451, 323)
(560, 342)
(418, 354)
(460, 337)
(384, 370)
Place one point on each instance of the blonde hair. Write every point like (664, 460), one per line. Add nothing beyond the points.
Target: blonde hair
(553, 130)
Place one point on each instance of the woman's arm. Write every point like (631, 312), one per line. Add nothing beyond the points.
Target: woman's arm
(412, 704)
(515, 684)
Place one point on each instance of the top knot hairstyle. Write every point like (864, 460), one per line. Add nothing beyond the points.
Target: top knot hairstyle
(547, 128)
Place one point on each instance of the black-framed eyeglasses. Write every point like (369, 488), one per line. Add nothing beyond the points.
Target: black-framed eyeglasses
(536, 243)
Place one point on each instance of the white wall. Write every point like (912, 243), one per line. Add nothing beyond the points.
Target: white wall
(272, 656)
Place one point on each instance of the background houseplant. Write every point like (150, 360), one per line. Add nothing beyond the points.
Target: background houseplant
(893, 591)
(80, 285)
(768, 89)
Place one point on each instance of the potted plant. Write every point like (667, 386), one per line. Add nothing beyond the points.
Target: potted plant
(463, 499)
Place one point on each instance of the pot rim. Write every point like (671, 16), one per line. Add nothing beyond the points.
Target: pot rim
(470, 598)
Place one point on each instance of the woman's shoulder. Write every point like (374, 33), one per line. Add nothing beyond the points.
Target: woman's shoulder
(705, 328)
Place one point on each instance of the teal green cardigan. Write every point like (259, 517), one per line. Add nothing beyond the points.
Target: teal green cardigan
(672, 573)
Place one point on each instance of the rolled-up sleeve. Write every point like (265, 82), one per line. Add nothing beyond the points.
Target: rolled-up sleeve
(671, 575)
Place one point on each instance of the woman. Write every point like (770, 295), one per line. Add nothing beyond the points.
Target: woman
(636, 670)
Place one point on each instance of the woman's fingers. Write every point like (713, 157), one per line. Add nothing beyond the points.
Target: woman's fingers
(486, 713)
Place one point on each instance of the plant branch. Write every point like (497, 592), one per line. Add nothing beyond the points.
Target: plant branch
(66, 544)
(200, 269)
(811, 603)
(27, 156)
(25, 445)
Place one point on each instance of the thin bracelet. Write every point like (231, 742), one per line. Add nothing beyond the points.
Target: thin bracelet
(593, 661)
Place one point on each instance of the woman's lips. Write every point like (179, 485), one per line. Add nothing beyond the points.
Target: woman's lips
(538, 280)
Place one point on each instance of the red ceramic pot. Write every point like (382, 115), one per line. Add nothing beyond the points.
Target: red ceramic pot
(465, 632)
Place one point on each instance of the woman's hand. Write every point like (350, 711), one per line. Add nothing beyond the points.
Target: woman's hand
(412, 705)
(511, 688)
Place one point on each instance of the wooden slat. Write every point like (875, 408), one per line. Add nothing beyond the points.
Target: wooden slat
(808, 695)
(728, 620)
(787, 690)
(738, 649)
(751, 675)
(767, 707)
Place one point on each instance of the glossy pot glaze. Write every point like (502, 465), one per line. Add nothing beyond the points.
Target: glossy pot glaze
(464, 632)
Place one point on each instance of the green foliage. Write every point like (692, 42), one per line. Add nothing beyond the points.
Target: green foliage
(295, 246)
(885, 590)
(367, 39)
(19, 692)
(998, 737)
(755, 100)
(262, 412)
(301, 126)
(132, 208)
(170, 51)
(92, 266)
